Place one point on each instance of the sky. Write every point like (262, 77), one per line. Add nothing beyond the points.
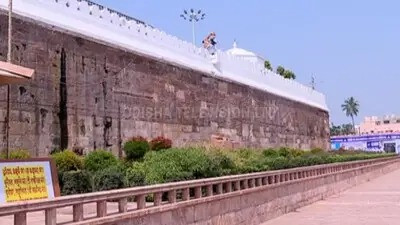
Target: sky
(351, 47)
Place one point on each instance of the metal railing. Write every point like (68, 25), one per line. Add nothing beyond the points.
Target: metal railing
(171, 194)
(101, 7)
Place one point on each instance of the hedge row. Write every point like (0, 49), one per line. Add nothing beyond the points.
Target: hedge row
(100, 170)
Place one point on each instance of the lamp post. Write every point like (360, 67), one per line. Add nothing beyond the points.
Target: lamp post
(193, 16)
(10, 3)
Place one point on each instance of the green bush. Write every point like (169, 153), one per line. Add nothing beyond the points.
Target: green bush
(135, 150)
(16, 154)
(76, 182)
(270, 153)
(278, 163)
(317, 151)
(20, 154)
(108, 179)
(221, 163)
(248, 160)
(135, 175)
(285, 152)
(160, 143)
(178, 164)
(99, 159)
(289, 152)
(67, 161)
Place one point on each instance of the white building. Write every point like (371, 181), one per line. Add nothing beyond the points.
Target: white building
(245, 54)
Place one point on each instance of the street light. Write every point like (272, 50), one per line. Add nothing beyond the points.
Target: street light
(193, 16)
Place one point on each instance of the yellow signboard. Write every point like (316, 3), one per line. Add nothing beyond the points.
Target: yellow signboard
(24, 183)
(27, 180)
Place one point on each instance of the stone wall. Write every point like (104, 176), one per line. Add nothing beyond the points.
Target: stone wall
(91, 95)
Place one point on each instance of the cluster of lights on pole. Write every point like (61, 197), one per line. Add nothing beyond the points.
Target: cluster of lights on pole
(193, 16)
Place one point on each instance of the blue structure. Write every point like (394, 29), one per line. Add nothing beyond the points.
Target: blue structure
(371, 142)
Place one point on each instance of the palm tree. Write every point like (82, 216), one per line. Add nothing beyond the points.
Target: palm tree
(351, 108)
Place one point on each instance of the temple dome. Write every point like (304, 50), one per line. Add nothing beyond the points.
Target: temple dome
(245, 54)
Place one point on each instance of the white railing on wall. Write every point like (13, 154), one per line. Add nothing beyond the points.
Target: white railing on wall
(255, 75)
(92, 20)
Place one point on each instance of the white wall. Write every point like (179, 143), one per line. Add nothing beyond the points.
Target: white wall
(106, 26)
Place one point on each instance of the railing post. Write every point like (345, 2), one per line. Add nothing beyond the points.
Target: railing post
(270, 179)
(172, 196)
(197, 192)
(209, 190)
(123, 205)
(220, 189)
(228, 187)
(265, 181)
(245, 184)
(185, 194)
(101, 208)
(141, 201)
(258, 182)
(77, 212)
(276, 179)
(157, 199)
(51, 216)
(237, 185)
(252, 183)
(20, 219)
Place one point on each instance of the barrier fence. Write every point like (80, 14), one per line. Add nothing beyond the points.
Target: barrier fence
(171, 194)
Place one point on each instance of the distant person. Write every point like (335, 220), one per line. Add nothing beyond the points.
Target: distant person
(209, 43)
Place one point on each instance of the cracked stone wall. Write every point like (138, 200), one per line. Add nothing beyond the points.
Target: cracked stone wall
(90, 95)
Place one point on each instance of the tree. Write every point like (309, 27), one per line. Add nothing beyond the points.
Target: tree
(344, 129)
(289, 75)
(267, 65)
(335, 130)
(351, 108)
(280, 70)
(285, 73)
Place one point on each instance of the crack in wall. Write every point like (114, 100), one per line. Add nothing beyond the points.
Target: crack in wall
(63, 114)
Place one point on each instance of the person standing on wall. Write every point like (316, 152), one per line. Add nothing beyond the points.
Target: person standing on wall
(209, 43)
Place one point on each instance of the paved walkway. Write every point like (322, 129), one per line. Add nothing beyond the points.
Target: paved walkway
(373, 203)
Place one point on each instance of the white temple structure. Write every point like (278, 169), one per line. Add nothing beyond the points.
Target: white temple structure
(245, 54)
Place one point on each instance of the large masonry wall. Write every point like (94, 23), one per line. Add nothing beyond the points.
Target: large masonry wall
(90, 95)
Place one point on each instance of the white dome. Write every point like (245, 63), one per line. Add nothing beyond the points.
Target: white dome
(240, 51)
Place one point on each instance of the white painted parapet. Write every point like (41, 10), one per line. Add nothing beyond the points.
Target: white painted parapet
(257, 76)
(97, 22)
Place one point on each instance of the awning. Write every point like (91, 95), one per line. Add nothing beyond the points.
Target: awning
(14, 74)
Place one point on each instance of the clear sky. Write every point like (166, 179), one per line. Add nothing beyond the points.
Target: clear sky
(350, 46)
